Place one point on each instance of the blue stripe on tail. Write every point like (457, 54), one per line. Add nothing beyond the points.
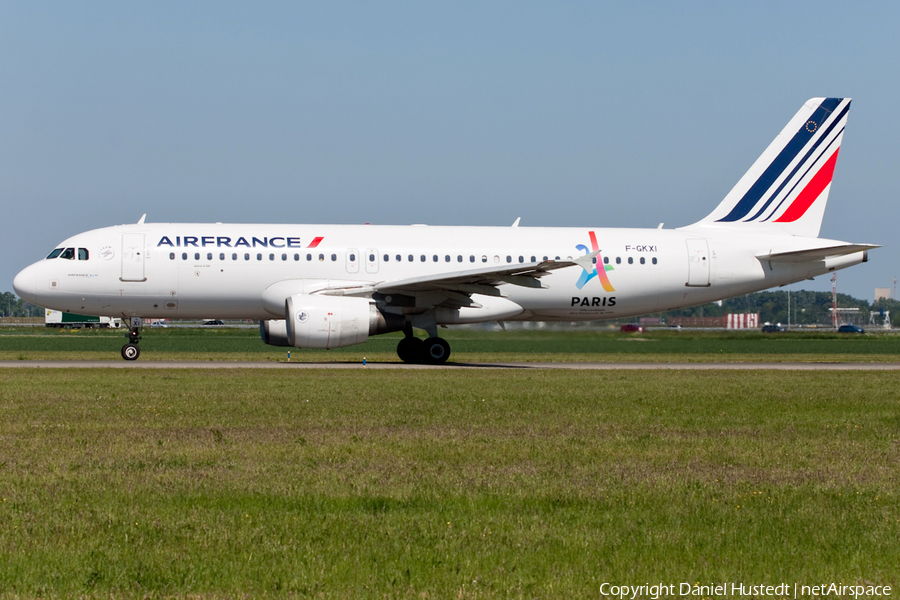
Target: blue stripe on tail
(781, 162)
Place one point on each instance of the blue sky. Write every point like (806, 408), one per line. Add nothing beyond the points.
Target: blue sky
(458, 113)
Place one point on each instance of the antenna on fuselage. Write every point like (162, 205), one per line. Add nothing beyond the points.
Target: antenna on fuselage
(141, 220)
(516, 224)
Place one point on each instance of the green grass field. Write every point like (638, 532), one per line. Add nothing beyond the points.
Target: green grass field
(577, 345)
(442, 484)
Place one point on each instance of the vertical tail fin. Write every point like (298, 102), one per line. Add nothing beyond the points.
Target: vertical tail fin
(787, 187)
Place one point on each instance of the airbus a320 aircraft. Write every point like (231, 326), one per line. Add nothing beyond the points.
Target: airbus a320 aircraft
(327, 286)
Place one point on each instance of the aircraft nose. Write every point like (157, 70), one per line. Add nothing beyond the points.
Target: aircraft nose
(25, 284)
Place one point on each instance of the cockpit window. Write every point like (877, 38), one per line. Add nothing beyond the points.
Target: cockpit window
(82, 254)
(55, 253)
(68, 254)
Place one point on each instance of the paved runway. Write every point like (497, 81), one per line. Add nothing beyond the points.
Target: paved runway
(598, 366)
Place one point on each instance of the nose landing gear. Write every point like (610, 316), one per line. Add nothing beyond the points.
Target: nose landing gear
(131, 351)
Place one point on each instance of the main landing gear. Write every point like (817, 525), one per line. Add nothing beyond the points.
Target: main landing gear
(131, 351)
(432, 351)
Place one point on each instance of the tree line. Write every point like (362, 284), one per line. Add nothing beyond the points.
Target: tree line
(12, 306)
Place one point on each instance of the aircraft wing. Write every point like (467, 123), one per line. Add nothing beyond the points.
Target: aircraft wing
(816, 253)
(455, 289)
(485, 280)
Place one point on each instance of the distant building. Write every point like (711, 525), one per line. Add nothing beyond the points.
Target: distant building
(882, 293)
(729, 321)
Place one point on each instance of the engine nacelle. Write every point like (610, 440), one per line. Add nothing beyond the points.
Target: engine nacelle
(274, 332)
(333, 321)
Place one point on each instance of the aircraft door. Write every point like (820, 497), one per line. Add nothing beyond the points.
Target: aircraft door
(371, 260)
(698, 263)
(352, 260)
(133, 257)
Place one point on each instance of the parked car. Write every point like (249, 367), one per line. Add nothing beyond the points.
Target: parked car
(769, 328)
(850, 329)
(214, 322)
(631, 328)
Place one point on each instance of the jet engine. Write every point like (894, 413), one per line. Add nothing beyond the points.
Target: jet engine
(314, 321)
(274, 332)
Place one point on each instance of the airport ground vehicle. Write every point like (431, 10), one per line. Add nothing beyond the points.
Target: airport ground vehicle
(56, 318)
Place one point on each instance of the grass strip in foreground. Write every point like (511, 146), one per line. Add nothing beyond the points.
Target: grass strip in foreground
(440, 484)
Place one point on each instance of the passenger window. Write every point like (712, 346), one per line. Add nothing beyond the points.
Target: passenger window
(321, 257)
(471, 258)
(643, 260)
(234, 256)
(653, 260)
(594, 260)
(221, 256)
(196, 256)
(333, 257)
(459, 258)
(68, 254)
(352, 257)
(618, 260)
(272, 256)
(209, 256)
(483, 258)
(284, 257)
(246, 256)
(435, 258)
(410, 258)
(399, 258)
(184, 256)
(309, 257)
(55, 253)
(387, 258)
(171, 256)
(630, 260)
(545, 258)
(605, 260)
(508, 258)
(532, 259)
(258, 256)
(422, 258)
(296, 257)
(521, 259)
(447, 258)
(371, 258)
(82, 254)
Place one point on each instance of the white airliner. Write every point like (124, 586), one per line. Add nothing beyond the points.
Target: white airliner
(327, 286)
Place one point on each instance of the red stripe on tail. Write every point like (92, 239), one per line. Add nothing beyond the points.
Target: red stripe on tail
(812, 191)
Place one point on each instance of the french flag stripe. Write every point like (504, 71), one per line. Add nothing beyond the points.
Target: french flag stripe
(812, 191)
(781, 162)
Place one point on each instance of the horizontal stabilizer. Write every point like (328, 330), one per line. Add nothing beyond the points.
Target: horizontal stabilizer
(816, 253)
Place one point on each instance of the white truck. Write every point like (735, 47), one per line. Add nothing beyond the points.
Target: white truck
(56, 318)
